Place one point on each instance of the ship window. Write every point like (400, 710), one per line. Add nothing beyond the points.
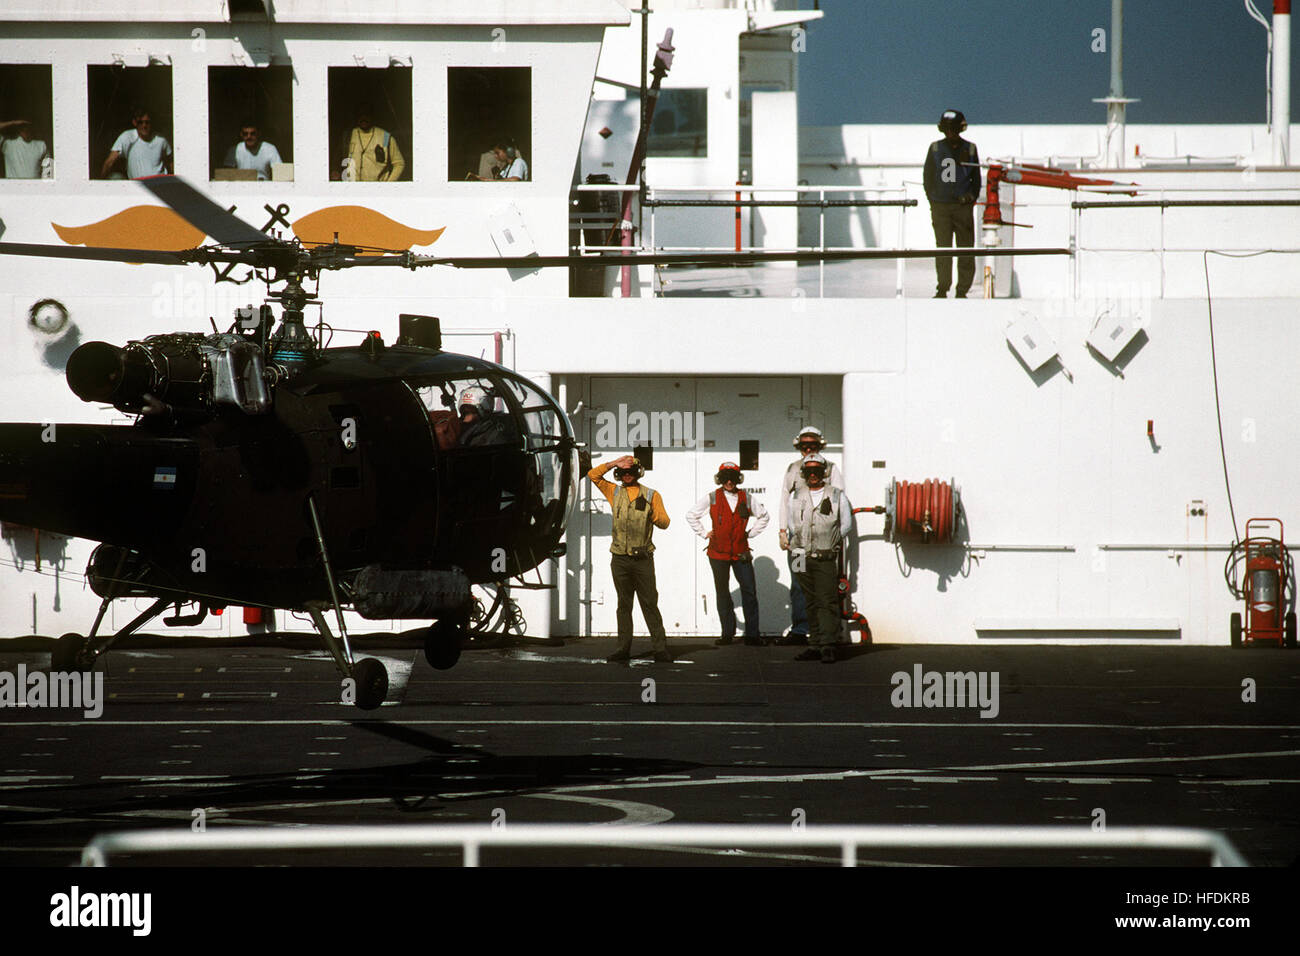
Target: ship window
(242, 9)
(680, 125)
(114, 95)
(26, 122)
(489, 123)
(370, 124)
(257, 101)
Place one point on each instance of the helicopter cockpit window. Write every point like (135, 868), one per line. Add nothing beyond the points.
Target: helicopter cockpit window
(370, 124)
(26, 119)
(468, 413)
(544, 435)
(250, 123)
(130, 128)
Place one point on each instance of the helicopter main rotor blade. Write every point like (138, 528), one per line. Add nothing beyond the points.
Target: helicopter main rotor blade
(700, 258)
(202, 213)
(150, 256)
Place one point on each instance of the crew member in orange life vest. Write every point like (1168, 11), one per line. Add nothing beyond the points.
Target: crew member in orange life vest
(735, 517)
(637, 512)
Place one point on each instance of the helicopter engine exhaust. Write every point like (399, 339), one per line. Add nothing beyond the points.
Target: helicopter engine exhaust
(189, 371)
(103, 372)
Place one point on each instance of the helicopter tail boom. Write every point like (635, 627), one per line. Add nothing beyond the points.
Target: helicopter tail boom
(94, 481)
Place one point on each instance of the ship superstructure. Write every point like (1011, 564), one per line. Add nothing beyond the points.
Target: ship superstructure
(1077, 404)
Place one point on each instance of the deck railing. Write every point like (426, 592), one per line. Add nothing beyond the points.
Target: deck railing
(1218, 850)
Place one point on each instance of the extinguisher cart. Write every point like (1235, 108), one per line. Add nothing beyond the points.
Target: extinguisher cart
(1267, 588)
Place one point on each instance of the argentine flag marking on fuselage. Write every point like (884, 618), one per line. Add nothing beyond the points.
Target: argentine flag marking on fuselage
(164, 478)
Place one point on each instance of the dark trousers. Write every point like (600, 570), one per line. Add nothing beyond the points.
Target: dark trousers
(953, 219)
(820, 581)
(748, 596)
(798, 611)
(637, 576)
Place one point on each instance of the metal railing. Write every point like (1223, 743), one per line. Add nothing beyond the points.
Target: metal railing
(1163, 198)
(848, 839)
(654, 201)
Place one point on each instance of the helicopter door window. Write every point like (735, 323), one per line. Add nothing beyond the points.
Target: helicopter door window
(543, 435)
(26, 123)
(131, 123)
(250, 123)
(370, 124)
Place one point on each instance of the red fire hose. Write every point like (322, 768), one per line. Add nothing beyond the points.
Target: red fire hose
(927, 509)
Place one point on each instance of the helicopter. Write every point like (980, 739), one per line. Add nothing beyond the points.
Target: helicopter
(269, 470)
(266, 471)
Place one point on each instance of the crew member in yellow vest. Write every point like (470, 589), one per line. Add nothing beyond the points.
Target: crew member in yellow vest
(638, 510)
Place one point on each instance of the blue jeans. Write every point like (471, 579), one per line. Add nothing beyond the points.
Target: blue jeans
(748, 596)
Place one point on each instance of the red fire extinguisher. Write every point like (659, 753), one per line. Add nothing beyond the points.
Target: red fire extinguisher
(1268, 589)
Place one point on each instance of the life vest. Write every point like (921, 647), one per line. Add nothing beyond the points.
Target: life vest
(816, 527)
(729, 538)
(633, 526)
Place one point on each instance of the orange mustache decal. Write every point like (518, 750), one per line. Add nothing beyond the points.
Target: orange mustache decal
(360, 226)
(155, 228)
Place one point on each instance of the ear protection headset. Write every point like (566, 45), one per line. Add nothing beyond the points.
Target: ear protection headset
(637, 471)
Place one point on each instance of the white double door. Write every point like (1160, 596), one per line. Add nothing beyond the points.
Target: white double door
(694, 425)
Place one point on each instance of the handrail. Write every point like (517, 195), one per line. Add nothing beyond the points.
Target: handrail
(471, 839)
(1177, 203)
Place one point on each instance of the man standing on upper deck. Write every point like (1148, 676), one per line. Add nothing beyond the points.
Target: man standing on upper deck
(952, 184)
(147, 153)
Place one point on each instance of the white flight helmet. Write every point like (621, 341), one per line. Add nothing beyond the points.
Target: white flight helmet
(476, 397)
(813, 431)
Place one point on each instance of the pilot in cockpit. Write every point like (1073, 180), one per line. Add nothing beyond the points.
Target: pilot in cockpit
(479, 423)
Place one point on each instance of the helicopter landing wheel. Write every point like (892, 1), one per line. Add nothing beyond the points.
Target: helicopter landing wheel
(442, 644)
(69, 654)
(372, 683)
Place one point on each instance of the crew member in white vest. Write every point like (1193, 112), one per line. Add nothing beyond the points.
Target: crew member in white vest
(809, 441)
(638, 510)
(819, 526)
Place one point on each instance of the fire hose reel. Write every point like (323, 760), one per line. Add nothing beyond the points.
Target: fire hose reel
(922, 510)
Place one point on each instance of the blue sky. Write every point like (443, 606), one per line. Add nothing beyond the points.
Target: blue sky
(1030, 61)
